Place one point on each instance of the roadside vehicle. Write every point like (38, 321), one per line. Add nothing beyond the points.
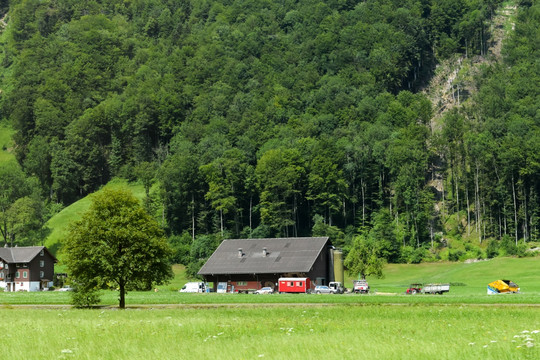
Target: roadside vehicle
(360, 286)
(436, 288)
(337, 287)
(294, 285)
(323, 289)
(66, 288)
(502, 286)
(414, 289)
(193, 287)
(264, 290)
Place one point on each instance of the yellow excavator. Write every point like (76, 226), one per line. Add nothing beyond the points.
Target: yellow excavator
(502, 286)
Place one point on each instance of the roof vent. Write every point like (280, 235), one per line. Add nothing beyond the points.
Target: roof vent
(240, 253)
(265, 252)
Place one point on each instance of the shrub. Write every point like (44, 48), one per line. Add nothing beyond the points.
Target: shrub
(508, 246)
(492, 249)
(84, 298)
(455, 255)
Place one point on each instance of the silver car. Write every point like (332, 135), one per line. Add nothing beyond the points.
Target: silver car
(264, 290)
(323, 289)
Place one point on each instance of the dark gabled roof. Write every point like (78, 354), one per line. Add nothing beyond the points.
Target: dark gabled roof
(23, 254)
(284, 255)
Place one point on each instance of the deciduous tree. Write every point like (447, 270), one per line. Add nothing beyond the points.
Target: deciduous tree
(117, 245)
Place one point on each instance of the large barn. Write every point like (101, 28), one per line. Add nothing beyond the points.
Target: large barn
(250, 264)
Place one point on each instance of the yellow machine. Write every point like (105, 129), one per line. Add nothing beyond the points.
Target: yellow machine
(502, 286)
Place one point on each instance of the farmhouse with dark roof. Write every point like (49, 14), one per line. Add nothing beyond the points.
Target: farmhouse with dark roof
(250, 264)
(29, 268)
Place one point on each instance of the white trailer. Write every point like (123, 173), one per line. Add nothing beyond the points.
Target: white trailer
(436, 288)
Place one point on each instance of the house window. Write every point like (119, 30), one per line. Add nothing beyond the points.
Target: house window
(17, 275)
(299, 283)
(25, 274)
(7, 266)
(1, 275)
(41, 253)
(291, 283)
(41, 263)
(241, 283)
(41, 274)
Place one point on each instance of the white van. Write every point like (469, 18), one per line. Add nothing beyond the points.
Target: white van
(193, 287)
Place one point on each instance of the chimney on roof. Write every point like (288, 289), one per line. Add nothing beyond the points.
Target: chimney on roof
(240, 252)
(265, 251)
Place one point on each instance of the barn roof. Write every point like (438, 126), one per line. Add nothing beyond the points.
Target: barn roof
(23, 254)
(283, 255)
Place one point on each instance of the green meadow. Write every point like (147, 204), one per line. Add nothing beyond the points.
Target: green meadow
(298, 332)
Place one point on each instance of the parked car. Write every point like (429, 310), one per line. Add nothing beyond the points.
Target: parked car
(66, 288)
(265, 290)
(323, 289)
(337, 287)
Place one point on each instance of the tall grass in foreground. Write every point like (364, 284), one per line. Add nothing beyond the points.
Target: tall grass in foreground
(337, 332)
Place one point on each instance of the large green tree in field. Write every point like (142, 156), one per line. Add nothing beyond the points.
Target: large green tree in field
(116, 245)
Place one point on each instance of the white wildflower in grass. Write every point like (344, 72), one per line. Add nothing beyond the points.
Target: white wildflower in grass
(485, 346)
(261, 355)
(471, 344)
(66, 351)
(525, 331)
(493, 341)
(535, 331)
(517, 336)
(529, 344)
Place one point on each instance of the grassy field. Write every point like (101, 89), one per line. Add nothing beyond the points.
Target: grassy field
(467, 279)
(336, 332)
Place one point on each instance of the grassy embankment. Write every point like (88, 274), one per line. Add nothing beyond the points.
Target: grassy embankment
(339, 332)
(59, 224)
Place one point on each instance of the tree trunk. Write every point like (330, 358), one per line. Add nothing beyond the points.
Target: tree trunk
(221, 220)
(363, 202)
(525, 223)
(515, 209)
(250, 214)
(468, 209)
(193, 217)
(477, 204)
(122, 286)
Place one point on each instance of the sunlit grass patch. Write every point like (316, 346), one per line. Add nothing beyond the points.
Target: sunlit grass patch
(337, 332)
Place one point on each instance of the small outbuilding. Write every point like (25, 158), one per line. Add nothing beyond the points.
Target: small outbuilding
(244, 265)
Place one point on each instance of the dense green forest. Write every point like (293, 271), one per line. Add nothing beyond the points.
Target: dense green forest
(259, 118)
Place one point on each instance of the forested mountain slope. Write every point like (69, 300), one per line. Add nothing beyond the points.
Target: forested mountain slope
(274, 118)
